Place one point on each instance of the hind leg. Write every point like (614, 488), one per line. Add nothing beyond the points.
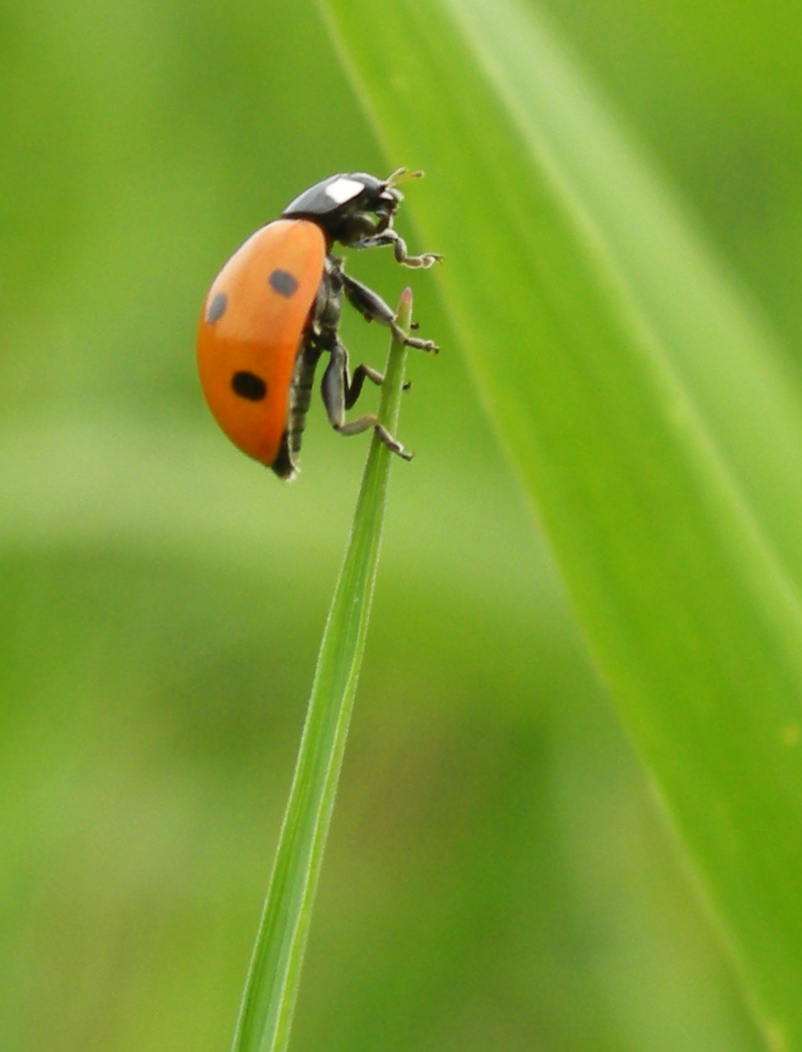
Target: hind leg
(340, 392)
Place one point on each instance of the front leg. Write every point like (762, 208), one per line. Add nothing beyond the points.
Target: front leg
(391, 237)
(340, 392)
(372, 307)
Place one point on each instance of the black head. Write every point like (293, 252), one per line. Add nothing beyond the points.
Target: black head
(350, 206)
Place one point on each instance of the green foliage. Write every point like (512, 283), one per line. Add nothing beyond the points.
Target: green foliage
(652, 424)
(504, 869)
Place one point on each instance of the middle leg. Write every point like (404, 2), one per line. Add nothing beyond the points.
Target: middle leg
(373, 308)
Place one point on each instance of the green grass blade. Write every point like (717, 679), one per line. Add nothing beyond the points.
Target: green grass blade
(648, 416)
(272, 986)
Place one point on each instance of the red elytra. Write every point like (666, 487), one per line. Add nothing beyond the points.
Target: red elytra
(252, 327)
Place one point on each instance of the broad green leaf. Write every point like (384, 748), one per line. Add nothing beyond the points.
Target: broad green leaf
(647, 414)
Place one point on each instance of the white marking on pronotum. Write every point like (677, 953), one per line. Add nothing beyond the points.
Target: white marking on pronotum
(342, 190)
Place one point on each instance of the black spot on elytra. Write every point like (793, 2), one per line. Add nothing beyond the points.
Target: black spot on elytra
(217, 308)
(249, 385)
(282, 282)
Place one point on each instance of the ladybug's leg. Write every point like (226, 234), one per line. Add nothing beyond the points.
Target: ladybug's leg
(372, 307)
(390, 237)
(362, 373)
(339, 393)
(354, 389)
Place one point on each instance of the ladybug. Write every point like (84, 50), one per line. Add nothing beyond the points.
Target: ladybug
(274, 309)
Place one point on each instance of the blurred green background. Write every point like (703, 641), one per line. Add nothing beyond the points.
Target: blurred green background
(500, 874)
